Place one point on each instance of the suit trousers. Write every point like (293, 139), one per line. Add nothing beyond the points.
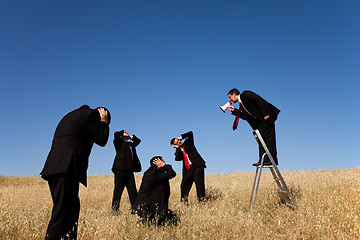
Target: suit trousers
(194, 174)
(65, 213)
(123, 179)
(267, 132)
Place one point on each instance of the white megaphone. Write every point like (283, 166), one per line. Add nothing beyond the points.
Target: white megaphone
(224, 107)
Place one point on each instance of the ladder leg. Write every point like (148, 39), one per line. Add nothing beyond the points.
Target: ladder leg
(253, 188)
(257, 182)
(275, 171)
(285, 191)
(256, 189)
(277, 179)
(282, 189)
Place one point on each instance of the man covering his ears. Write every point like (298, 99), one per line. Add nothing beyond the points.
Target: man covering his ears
(67, 163)
(152, 202)
(193, 166)
(126, 162)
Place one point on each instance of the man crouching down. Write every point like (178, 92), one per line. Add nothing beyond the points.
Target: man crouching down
(152, 202)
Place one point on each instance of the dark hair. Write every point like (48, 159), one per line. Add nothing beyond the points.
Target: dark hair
(109, 116)
(172, 141)
(119, 134)
(234, 90)
(152, 159)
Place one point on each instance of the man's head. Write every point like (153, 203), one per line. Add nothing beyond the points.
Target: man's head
(121, 134)
(157, 162)
(124, 133)
(233, 95)
(176, 142)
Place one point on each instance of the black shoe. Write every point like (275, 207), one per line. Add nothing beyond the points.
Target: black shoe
(265, 164)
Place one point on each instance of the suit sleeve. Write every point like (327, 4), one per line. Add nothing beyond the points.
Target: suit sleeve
(117, 143)
(178, 155)
(98, 131)
(136, 141)
(241, 115)
(189, 135)
(167, 174)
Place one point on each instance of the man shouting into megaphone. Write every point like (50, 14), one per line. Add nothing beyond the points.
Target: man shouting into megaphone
(260, 114)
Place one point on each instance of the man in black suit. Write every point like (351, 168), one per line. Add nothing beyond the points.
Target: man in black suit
(67, 163)
(193, 166)
(125, 164)
(261, 115)
(152, 202)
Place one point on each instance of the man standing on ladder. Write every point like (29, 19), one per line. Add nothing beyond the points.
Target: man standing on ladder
(261, 115)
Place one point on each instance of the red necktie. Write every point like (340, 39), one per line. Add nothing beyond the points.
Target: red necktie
(236, 121)
(186, 160)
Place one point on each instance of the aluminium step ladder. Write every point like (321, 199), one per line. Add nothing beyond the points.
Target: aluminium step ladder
(284, 190)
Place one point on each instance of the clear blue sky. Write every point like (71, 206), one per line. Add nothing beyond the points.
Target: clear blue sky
(164, 67)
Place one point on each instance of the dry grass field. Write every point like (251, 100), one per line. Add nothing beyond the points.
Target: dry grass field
(329, 208)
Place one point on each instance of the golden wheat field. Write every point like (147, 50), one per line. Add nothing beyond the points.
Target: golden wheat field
(328, 200)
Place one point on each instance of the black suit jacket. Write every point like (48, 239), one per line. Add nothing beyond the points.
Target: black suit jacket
(73, 140)
(122, 158)
(258, 108)
(190, 149)
(154, 189)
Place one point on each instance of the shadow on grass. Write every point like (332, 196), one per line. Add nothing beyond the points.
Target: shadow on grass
(212, 194)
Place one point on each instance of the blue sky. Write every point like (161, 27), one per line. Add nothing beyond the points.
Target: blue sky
(164, 67)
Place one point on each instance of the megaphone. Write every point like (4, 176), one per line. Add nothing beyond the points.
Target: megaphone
(225, 106)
